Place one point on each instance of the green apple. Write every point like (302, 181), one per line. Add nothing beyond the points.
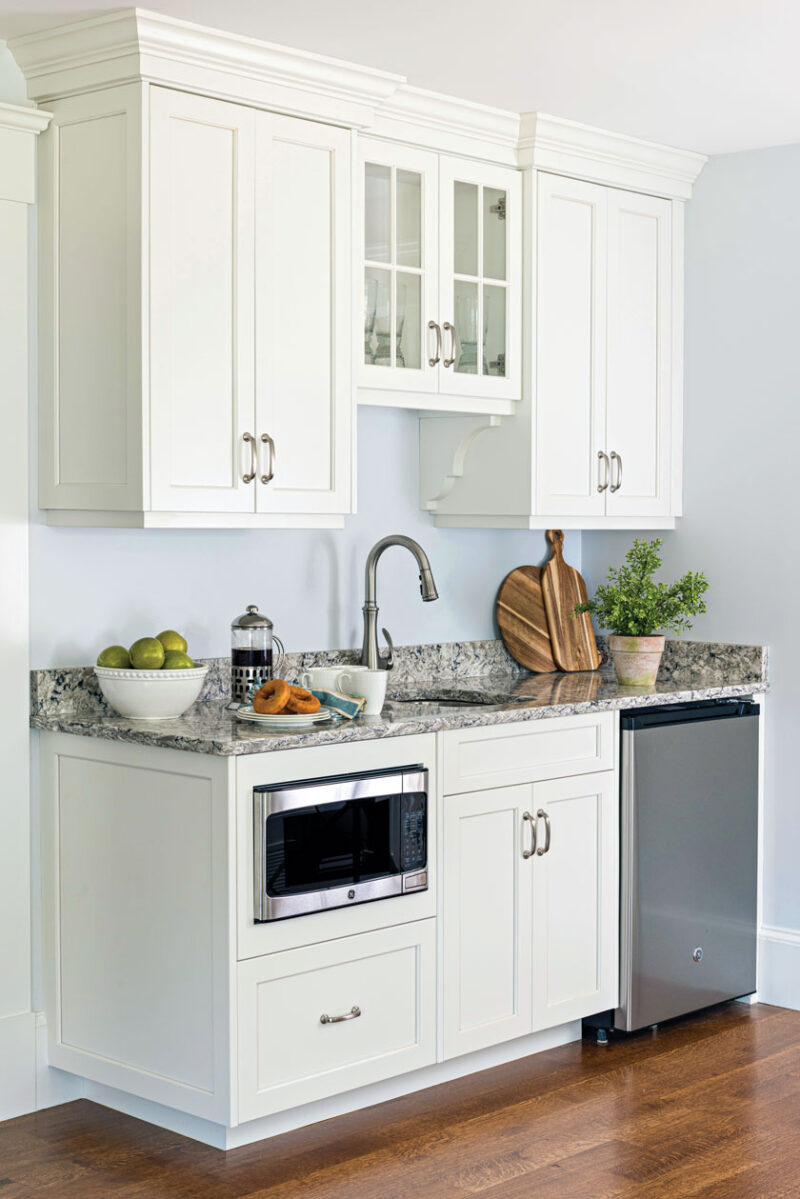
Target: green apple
(147, 654)
(115, 656)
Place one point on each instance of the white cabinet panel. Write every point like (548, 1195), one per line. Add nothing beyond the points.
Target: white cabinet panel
(383, 981)
(303, 265)
(486, 920)
(570, 345)
(639, 340)
(575, 899)
(522, 753)
(201, 302)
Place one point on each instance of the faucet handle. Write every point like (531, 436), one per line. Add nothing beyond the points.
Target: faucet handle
(386, 661)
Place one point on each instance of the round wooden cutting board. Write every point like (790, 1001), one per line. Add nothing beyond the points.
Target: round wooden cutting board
(522, 619)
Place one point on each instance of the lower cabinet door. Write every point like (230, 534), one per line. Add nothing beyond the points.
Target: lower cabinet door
(575, 898)
(330, 1017)
(486, 918)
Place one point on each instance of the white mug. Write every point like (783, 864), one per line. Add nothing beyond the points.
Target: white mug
(323, 678)
(368, 684)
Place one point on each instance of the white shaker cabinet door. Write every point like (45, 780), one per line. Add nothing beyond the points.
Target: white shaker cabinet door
(486, 920)
(201, 303)
(575, 898)
(571, 261)
(304, 396)
(639, 349)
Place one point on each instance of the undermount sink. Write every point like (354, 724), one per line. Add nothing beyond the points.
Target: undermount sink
(430, 698)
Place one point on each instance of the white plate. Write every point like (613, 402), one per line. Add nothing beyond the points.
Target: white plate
(284, 720)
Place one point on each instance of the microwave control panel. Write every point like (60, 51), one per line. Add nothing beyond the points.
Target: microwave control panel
(415, 849)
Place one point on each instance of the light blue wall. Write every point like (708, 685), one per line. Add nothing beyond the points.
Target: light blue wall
(742, 457)
(90, 587)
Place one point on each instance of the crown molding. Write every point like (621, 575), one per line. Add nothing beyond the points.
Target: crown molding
(134, 43)
(569, 148)
(440, 122)
(23, 118)
(20, 126)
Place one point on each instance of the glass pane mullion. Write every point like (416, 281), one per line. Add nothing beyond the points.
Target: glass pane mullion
(481, 333)
(393, 260)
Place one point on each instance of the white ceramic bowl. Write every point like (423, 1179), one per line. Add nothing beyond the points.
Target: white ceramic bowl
(151, 694)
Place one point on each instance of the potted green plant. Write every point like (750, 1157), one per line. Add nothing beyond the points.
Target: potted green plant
(637, 611)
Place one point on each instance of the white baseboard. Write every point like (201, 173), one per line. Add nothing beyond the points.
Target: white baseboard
(52, 1086)
(311, 1113)
(779, 966)
(17, 1065)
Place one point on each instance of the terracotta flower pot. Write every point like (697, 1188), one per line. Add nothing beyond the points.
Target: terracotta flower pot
(636, 659)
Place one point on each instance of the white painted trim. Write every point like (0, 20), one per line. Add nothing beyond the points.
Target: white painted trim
(135, 44)
(434, 404)
(17, 1065)
(586, 523)
(439, 122)
(351, 1101)
(103, 519)
(569, 148)
(779, 966)
(53, 1086)
(23, 118)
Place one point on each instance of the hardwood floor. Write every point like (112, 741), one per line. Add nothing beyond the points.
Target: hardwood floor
(707, 1107)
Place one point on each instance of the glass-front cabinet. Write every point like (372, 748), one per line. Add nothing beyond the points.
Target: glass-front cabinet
(440, 323)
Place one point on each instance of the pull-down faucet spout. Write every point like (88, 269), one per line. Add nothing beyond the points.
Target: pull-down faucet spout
(369, 654)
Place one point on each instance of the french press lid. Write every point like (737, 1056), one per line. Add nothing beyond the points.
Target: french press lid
(251, 619)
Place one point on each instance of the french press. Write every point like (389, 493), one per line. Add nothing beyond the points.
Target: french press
(252, 661)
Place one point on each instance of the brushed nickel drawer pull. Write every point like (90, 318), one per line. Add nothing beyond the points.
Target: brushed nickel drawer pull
(250, 439)
(528, 853)
(353, 1014)
(615, 457)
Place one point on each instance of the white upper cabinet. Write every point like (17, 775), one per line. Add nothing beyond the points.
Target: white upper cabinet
(597, 440)
(441, 264)
(206, 380)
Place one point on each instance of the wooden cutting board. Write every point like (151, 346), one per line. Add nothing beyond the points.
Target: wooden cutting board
(522, 620)
(573, 641)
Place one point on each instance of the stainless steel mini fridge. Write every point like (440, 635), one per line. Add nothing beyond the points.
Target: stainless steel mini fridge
(689, 845)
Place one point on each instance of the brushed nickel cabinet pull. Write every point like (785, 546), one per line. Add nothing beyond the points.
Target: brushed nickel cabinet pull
(602, 484)
(528, 853)
(270, 475)
(542, 815)
(451, 329)
(353, 1014)
(433, 361)
(249, 476)
(615, 457)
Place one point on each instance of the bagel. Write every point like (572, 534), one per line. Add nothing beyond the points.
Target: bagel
(302, 702)
(272, 697)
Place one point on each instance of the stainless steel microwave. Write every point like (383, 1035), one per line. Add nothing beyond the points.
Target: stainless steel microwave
(334, 842)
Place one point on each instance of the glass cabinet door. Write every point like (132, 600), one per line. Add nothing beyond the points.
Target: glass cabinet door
(400, 197)
(480, 279)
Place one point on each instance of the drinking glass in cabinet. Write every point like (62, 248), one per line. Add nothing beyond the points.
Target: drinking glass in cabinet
(467, 325)
(377, 316)
(370, 312)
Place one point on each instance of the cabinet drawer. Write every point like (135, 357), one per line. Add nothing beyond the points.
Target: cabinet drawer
(503, 755)
(288, 1056)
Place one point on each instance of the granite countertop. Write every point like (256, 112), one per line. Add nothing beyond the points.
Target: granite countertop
(67, 701)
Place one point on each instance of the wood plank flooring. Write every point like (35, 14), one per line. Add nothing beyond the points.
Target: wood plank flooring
(707, 1107)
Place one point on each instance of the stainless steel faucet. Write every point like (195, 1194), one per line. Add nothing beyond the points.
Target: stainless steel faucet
(369, 654)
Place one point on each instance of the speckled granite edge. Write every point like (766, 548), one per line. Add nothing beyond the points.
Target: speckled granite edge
(73, 693)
